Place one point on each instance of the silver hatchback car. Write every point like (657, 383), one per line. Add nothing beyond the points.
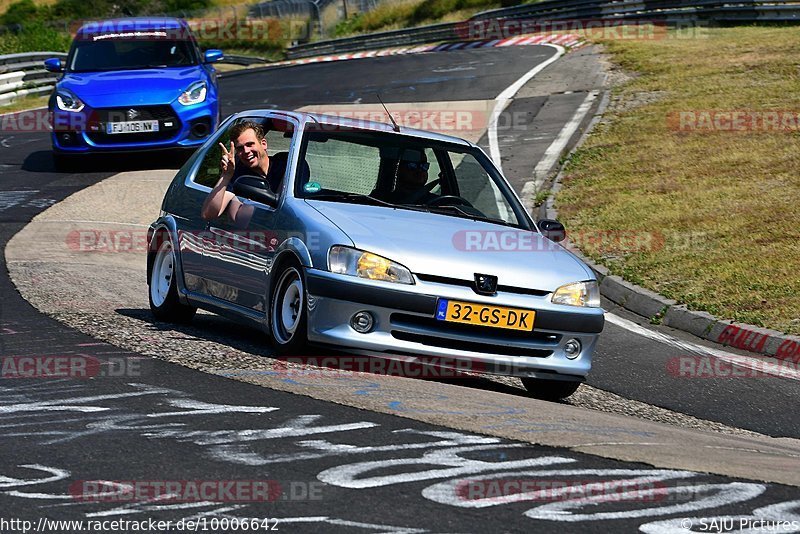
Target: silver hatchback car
(388, 242)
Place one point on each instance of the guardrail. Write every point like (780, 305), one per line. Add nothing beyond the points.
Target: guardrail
(24, 74)
(668, 11)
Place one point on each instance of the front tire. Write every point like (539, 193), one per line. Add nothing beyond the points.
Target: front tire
(550, 390)
(163, 288)
(288, 316)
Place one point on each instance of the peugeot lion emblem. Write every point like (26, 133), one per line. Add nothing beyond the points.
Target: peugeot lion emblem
(485, 284)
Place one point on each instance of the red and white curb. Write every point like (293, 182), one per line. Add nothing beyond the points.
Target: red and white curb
(565, 40)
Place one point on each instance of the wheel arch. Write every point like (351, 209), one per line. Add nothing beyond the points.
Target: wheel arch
(166, 226)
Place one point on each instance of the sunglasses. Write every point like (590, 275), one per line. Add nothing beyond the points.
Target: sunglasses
(416, 166)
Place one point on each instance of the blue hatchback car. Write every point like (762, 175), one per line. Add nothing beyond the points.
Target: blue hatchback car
(133, 84)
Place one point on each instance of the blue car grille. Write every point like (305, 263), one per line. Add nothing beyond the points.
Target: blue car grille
(163, 114)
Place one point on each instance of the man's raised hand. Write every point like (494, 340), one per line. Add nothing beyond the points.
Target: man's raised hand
(227, 164)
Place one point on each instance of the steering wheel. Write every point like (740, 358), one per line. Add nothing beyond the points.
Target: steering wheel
(449, 200)
(424, 190)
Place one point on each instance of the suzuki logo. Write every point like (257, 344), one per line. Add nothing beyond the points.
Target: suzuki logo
(485, 284)
(132, 114)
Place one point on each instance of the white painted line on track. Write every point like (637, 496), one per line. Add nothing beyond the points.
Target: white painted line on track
(558, 145)
(780, 370)
(503, 99)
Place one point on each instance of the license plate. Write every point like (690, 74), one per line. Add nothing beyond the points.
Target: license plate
(456, 311)
(131, 127)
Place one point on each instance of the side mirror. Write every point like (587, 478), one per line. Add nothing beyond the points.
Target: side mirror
(552, 230)
(53, 65)
(256, 189)
(212, 56)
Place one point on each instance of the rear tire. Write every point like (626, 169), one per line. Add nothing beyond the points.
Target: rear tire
(288, 316)
(551, 390)
(163, 288)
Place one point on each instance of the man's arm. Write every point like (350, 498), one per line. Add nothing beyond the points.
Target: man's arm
(220, 199)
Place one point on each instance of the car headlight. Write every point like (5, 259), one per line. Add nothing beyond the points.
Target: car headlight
(195, 94)
(346, 260)
(67, 101)
(578, 294)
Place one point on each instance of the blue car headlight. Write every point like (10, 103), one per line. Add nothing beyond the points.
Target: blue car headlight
(195, 94)
(68, 101)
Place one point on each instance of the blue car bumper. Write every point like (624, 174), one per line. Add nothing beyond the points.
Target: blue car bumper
(88, 131)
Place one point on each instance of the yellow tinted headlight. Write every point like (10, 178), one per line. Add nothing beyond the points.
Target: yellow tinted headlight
(578, 294)
(346, 260)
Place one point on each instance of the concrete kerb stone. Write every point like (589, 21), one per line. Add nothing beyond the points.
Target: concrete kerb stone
(699, 323)
(658, 308)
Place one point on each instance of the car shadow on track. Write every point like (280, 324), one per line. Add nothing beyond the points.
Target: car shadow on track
(254, 343)
(43, 161)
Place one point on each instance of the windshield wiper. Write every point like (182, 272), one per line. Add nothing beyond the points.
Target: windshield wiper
(459, 212)
(352, 197)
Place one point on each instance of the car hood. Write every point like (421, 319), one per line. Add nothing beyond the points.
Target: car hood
(452, 247)
(131, 87)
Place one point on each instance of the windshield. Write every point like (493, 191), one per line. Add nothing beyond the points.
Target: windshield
(348, 165)
(123, 54)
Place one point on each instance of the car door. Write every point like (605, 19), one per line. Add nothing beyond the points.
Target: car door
(237, 257)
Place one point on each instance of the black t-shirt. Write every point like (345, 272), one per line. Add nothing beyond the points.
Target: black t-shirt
(277, 168)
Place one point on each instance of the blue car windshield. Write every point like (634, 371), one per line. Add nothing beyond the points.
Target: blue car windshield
(124, 54)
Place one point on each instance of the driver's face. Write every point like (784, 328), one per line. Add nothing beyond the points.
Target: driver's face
(411, 177)
(250, 150)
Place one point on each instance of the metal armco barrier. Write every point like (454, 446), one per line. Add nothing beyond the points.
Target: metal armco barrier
(24, 74)
(711, 11)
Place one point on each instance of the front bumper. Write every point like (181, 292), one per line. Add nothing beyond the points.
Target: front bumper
(405, 326)
(179, 127)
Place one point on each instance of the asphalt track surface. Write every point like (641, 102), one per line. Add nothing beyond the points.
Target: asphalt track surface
(177, 424)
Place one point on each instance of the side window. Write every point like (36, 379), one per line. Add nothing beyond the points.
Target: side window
(208, 172)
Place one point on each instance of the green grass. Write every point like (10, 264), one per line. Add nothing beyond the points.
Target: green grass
(410, 13)
(36, 37)
(721, 209)
(24, 103)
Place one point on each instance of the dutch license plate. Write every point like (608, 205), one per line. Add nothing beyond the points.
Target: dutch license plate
(131, 127)
(456, 311)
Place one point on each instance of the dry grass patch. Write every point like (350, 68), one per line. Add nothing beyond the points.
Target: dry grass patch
(720, 209)
(25, 103)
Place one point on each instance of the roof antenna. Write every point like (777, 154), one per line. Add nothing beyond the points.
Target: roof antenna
(395, 127)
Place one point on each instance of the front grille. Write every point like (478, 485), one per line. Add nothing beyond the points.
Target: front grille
(163, 114)
(471, 346)
(146, 113)
(472, 337)
(470, 284)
